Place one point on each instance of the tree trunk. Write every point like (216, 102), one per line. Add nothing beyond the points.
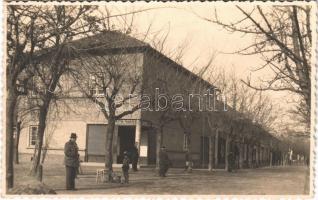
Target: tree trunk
(44, 152)
(304, 76)
(216, 149)
(10, 109)
(18, 130)
(109, 146)
(39, 143)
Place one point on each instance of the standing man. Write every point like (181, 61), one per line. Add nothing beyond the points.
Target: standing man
(71, 161)
(134, 157)
(164, 162)
(125, 167)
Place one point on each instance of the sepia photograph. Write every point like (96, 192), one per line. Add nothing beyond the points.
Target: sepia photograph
(158, 98)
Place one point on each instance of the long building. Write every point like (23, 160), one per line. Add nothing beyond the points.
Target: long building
(209, 135)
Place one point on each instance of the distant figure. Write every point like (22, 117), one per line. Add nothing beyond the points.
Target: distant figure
(164, 162)
(71, 161)
(125, 167)
(307, 161)
(188, 163)
(134, 157)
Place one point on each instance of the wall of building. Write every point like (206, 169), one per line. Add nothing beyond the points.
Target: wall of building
(169, 79)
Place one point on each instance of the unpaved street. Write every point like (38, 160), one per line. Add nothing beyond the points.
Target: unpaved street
(278, 180)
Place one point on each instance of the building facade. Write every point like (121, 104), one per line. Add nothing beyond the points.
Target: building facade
(214, 134)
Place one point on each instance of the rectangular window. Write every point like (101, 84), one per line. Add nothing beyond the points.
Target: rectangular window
(96, 85)
(185, 141)
(33, 134)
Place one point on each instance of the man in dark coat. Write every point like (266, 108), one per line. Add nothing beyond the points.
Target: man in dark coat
(125, 167)
(134, 157)
(71, 161)
(164, 162)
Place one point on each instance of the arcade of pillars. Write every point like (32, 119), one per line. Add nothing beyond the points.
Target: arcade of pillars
(247, 153)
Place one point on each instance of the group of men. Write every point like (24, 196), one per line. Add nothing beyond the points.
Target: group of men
(72, 162)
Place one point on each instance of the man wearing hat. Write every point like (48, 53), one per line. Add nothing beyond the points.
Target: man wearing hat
(164, 162)
(71, 161)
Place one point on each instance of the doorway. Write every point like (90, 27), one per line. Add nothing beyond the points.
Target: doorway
(126, 138)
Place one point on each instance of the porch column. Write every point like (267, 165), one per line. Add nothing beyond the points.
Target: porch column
(227, 148)
(257, 155)
(250, 155)
(211, 152)
(138, 133)
(241, 155)
(216, 149)
(137, 137)
(260, 155)
(270, 157)
(260, 158)
(158, 146)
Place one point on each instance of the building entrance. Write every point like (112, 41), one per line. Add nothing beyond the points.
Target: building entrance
(126, 139)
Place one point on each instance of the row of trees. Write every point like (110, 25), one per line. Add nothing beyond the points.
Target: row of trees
(283, 40)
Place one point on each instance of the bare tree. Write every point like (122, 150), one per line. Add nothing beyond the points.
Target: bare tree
(283, 39)
(64, 23)
(36, 59)
(20, 53)
(252, 104)
(113, 83)
(114, 80)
